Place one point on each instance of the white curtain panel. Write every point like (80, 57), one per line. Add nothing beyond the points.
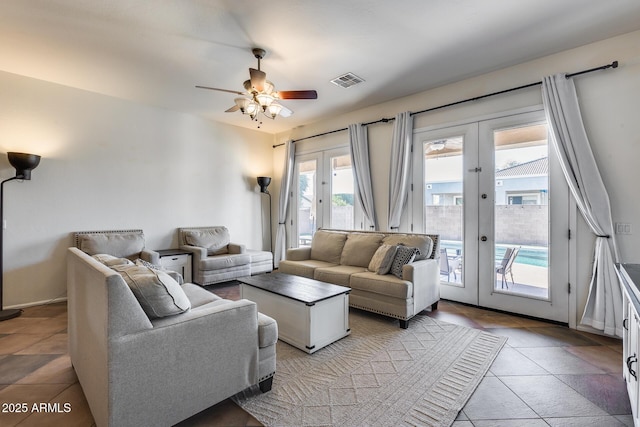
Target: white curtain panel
(359, 148)
(280, 249)
(569, 138)
(400, 173)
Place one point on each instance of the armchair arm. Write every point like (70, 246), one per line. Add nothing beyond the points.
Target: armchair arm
(236, 248)
(299, 254)
(198, 253)
(150, 256)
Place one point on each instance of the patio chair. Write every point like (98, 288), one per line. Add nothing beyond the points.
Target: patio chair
(449, 265)
(504, 266)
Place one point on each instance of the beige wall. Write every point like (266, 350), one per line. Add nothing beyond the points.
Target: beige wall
(609, 101)
(111, 164)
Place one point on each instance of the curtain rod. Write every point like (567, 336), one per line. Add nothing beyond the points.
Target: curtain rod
(614, 64)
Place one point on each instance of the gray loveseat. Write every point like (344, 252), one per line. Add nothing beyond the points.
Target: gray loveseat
(344, 258)
(141, 371)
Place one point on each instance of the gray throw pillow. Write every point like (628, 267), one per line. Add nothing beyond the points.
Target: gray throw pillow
(110, 260)
(382, 259)
(159, 295)
(404, 255)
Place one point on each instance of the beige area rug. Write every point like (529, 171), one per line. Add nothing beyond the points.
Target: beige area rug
(380, 375)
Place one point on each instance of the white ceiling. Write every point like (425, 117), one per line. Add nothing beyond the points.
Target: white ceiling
(155, 51)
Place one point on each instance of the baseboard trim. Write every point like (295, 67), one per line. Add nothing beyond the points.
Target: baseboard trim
(32, 304)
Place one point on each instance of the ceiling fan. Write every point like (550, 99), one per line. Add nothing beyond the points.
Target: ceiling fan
(260, 95)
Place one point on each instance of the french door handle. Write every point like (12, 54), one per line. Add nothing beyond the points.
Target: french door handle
(631, 360)
(625, 322)
(483, 238)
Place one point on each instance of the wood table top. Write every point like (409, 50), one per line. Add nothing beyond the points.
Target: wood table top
(308, 291)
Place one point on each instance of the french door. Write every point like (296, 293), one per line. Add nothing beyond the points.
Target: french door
(494, 192)
(323, 194)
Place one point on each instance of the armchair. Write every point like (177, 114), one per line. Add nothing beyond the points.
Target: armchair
(215, 258)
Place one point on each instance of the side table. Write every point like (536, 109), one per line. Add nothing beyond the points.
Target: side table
(177, 260)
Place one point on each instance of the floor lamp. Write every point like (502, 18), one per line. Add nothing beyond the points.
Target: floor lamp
(24, 164)
(263, 182)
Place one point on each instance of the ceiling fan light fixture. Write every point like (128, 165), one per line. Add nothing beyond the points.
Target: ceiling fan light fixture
(264, 100)
(274, 109)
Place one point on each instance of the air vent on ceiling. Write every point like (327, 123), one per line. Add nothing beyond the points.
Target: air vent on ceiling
(347, 80)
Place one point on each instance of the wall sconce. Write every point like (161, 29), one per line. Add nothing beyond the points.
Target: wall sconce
(24, 164)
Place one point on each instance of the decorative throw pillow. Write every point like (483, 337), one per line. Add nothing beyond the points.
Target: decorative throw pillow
(110, 260)
(422, 242)
(158, 294)
(404, 255)
(382, 259)
(215, 239)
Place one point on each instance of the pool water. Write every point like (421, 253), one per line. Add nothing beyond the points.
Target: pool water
(529, 255)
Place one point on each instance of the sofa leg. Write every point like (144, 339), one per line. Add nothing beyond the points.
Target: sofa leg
(265, 385)
(404, 324)
(434, 306)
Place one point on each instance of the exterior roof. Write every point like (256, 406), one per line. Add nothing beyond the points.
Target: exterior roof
(534, 167)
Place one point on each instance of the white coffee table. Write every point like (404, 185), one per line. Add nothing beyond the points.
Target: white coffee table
(310, 314)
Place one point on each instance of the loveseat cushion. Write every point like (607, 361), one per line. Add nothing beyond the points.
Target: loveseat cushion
(423, 243)
(214, 239)
(218, 262)
(120, 244)
(267, 331)
(158, 294)
(198, 296)
(359, 249)
(338, 275)
(382, 259)
(327, 246)
(387, 284)
(302, 268)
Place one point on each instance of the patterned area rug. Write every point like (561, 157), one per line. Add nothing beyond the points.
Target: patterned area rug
(380, 375)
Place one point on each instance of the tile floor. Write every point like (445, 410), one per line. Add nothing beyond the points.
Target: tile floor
(546, 375)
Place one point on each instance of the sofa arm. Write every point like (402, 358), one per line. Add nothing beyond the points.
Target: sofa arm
(236, 248)
(299, 254)
(425, 276)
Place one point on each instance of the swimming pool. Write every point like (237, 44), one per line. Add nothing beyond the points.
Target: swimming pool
(530, 255)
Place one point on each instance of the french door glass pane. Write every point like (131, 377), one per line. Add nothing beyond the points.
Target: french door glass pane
(307, 171)
(443, 203)
(522, 210)
(342, 194)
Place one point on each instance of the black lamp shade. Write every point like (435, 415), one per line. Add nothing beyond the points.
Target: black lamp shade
(24, 163)
(263, 182)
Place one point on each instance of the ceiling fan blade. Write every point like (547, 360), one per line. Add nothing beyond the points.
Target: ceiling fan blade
(221, 90)
(285, 112)
(257, 79)
(298, 94)
(232, 109)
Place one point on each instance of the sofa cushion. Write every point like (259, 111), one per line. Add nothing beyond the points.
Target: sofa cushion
(121, 245)
(382, 259)
(215, 239)
(423, 243)
(338, 275)
(158, 294)
(359, 249)
(327, 246)
(218, 262)
(387, 284)
(198, 296)
(404, 255)
(302, 268)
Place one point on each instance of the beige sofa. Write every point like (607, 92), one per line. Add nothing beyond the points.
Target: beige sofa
(141, 370)
(344, 258)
